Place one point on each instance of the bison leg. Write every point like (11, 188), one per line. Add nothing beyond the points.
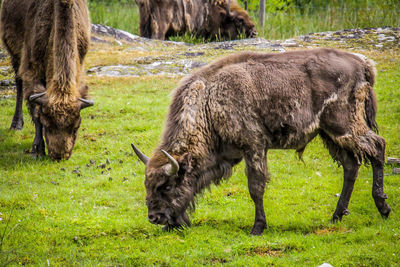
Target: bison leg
(160, 29)
(18, 119)
(377, 162)
(256, 171)
(350, 169)
(38, 147)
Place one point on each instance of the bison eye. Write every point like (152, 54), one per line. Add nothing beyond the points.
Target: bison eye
(168, 188)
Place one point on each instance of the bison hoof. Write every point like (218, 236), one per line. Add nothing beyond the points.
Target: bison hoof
(37, 154)
(385, 211)
(38, 150)
(169, 227)
(258, 229)
(337, 216)
(17, 125)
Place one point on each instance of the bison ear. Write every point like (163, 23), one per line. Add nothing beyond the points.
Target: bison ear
(39, 98)
(84, 91)
(185, 166)
(186, 162)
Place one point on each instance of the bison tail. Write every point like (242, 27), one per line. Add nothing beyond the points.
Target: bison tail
(371, 103)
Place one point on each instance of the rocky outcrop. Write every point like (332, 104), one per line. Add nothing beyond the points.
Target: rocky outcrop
(178, 58)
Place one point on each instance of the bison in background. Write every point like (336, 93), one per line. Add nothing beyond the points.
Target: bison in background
(241, 106)
(47, 41)
(210, 19)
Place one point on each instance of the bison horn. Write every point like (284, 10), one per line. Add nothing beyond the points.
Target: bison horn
(228, 7)
(174, 164)
(38, 98)
(140, 155)
(86, 103)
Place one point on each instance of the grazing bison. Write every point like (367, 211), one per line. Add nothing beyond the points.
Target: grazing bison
(47, 41)
(211, 19)
(241, 106)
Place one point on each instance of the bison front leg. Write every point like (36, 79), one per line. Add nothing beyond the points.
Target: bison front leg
(256, 171)
(350, 172)
(377, 162)
(38, 147)
(18, 119)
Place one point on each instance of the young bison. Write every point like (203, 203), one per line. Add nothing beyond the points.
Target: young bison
(47, 41)
(241, 106)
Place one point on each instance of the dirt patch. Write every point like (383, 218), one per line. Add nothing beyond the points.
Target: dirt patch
(331, 230)
(266, 251)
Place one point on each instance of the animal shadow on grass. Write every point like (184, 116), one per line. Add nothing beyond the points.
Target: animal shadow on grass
(223, 225)
(227, 225)
(13, 152)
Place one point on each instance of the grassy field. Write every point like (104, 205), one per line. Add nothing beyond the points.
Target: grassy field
(90, 210)
(279, 24)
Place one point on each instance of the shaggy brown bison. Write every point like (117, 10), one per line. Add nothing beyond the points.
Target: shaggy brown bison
(47, 41)
(211, 19)
(241, 106)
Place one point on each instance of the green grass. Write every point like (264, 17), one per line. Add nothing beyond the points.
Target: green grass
(278, 24)
(294, 22)
(124, 16)
(73, 213)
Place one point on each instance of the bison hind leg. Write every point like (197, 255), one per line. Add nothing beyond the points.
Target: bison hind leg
(350, 171)
(350, 151)
(377, 159)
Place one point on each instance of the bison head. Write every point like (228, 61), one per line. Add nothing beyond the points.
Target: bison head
(169, 191)
(230, 22)
(61, 121)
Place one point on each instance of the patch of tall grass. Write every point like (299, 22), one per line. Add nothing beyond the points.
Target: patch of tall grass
(295, 21)
(279, 24)
(120, 15)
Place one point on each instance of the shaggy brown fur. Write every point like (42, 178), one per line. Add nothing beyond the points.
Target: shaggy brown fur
(241, 106)
(204, 18)
(47, 42)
